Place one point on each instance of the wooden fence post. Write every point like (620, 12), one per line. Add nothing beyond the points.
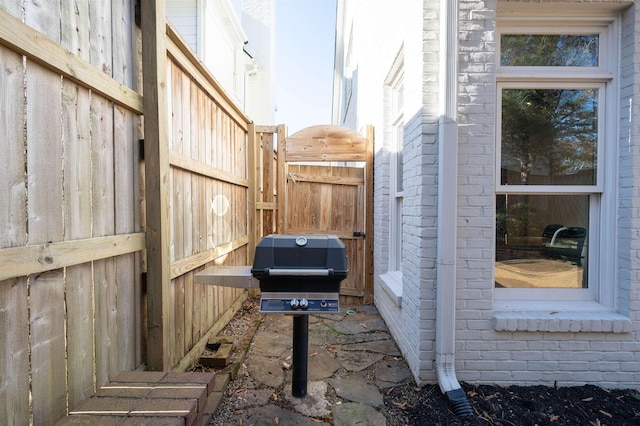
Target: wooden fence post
(281, 170)
(252, 212)
(368, 241)
(156, 152)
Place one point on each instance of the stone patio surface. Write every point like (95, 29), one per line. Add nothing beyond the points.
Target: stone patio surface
(352, 360)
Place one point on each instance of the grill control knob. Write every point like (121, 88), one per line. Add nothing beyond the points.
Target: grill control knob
(295, 304)
(304, 303)
(323, 304)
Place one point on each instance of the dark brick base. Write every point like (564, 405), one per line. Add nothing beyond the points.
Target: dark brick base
(147, 398)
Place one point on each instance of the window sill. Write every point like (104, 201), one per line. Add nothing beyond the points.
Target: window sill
(392, 285)
(562, 322)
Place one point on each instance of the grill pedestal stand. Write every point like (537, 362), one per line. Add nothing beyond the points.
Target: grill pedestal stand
(300, 355)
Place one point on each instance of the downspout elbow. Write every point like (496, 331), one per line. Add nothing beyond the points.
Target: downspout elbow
(449, 386)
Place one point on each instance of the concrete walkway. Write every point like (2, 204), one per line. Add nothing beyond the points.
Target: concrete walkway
(352, 360)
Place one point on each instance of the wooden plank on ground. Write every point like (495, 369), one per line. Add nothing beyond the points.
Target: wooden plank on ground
(194, 354)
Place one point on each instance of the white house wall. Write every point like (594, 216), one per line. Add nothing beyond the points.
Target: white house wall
(219, 51)
(584, 354)
(183, 15)
(258, 21)
(380, 31)
(489, 348)
(214, 32)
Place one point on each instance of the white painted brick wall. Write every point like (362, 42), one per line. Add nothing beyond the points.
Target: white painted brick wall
(485, 355)
(560, 352)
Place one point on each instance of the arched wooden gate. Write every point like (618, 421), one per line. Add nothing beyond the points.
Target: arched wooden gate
(324, 185)
(323, 197)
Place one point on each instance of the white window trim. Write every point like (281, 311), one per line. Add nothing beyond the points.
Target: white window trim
(392, 285)
(392, 279)
(563, 310)
(561, 25)
(395, 198)
(396, 145)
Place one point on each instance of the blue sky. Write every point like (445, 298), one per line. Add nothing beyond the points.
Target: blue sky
(305, 42)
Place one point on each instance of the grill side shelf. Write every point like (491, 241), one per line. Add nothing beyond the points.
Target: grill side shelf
(227, 276)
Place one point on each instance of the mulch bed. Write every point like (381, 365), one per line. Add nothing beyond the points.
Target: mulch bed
(409, 405)
(515, 405)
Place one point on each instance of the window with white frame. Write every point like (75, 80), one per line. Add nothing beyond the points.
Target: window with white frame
(555, 160)
(391, 279)
(395, 168)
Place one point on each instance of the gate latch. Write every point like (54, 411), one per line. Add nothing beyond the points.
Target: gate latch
(358, 234)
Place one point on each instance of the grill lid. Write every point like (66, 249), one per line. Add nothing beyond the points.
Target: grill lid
(319, 256)
(300, 274)
(293, 255)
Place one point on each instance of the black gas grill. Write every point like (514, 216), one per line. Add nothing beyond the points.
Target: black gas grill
(300, 274)
(297, 275)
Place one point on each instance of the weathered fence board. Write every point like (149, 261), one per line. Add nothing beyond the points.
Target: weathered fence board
(126, 187)
(14, 358)
(14, 313)
(70, 307)
(77, 179)
(45, 220)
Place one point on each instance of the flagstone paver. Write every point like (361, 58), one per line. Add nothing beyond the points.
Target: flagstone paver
(351, 414)
(357, 389)
(358, 360)
(352, 359)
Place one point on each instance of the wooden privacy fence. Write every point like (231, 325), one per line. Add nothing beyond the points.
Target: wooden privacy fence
(197, 212)
(70, 229)
(88, 212)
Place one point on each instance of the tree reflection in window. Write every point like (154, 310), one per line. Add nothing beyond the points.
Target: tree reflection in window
(549, 50)
(549, 136)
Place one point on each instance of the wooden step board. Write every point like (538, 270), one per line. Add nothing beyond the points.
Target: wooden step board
(147, 398)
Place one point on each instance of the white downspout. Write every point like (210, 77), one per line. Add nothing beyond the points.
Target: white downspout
(447, 209)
